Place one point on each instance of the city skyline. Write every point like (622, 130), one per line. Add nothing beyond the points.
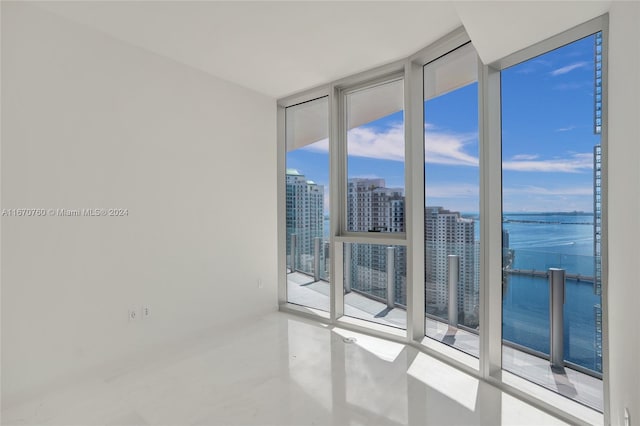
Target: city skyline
(374, 207)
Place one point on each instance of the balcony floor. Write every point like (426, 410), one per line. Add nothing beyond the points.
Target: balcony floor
(568, 382)
(302, 290)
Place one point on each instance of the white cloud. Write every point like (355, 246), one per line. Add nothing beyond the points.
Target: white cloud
(520, 157)
(447, 148)
(441, 147)
(533, 66)
(574, 164)
(568, 68)
(565, 129)
(386, 145)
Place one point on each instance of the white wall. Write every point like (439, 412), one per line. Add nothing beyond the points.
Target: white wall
(90, 122)
(624, 210)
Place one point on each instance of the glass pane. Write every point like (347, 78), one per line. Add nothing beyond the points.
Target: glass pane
(375, 159)
(375, 282)
(551, 157)
(307, 181)
(452, 220)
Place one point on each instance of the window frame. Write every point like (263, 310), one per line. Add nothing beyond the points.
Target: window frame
(281, 161)
(360, 236)
(489, 363)
(464, 358)
(490, 111)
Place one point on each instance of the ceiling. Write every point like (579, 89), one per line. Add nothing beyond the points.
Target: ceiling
(279, 48)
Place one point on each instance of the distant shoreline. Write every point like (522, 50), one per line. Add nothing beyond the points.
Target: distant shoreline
(476, 214)
(550, 214)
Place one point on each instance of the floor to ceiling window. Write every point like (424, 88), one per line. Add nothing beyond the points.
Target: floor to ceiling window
(451, 213)
(551, 165)
(375, 274)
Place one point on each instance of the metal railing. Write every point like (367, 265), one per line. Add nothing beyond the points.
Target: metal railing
(314, 264)
(556, 316)
(453, 262)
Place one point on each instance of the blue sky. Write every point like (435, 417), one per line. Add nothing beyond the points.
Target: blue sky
(547, 140)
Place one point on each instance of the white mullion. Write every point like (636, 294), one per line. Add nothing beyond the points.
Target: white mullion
(490, 222)
(282, 207)
(414, 199)
(337, 152)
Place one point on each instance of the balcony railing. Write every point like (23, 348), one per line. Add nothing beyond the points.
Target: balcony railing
(569, 338)
(310, 257)
(547, 298)
(566, 332)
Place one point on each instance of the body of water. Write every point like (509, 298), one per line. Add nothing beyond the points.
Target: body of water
(540, 242)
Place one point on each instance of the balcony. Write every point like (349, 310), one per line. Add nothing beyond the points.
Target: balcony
(531, 362)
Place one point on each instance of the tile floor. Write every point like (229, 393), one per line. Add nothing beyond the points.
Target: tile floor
(280, 369)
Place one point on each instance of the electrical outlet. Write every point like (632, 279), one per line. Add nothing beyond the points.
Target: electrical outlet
(260, 283)
(146, 311)
(133, 314)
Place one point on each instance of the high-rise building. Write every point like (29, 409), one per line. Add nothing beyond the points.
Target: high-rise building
(447, 233)
(372, 207)
(305, 219)
(597, 218)
(597, 99)
(597, 250)
(597, 198)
